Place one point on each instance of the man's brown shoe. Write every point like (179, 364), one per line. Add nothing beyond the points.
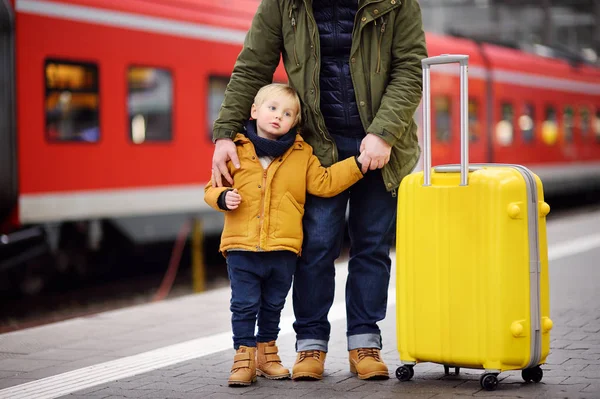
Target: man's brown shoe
(309, 365)
(243, 371)
(268, 362)
(367, 363)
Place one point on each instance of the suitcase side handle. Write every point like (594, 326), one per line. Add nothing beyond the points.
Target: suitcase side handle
(463, 61)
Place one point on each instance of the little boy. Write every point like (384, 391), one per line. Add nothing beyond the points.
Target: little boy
(262, 236)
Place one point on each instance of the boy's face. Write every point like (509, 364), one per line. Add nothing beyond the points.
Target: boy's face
(275, 117)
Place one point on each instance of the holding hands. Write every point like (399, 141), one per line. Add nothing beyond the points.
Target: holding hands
(374, 153)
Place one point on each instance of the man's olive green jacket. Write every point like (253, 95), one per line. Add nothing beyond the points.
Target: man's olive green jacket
(388, 44)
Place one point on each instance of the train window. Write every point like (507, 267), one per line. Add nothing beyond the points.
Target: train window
(568, 123)
(597, 125)
(150, 104)
(216, 95)
(505, 128)
(443, 120)
(550, 126)
(474, 125)
(526, 123)
(71, 101)
(584, 115)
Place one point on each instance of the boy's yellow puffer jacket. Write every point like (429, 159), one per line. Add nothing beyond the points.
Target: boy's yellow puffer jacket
(269, 217)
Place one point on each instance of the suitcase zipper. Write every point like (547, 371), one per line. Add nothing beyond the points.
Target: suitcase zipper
(535, 266)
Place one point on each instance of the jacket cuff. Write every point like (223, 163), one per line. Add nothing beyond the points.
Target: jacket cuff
(223, 133)
(380, 132)
(221, 200)
(358, 164)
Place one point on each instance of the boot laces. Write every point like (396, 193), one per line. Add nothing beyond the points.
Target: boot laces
(368, 352)
(315, 354)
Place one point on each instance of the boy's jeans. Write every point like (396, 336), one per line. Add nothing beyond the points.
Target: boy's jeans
(371, 226)
(260, 282)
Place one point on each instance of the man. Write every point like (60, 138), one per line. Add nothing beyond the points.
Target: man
(357, 69)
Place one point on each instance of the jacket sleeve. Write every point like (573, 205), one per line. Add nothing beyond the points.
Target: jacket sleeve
(212, 194)
(253, 69)
(328, 182)
(404, 91)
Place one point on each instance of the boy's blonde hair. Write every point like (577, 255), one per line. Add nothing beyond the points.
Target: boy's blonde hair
(274, 89)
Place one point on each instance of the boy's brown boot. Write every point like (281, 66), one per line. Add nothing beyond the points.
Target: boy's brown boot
(367, 363)
(243, 371)
(268, 363)
(309, 365)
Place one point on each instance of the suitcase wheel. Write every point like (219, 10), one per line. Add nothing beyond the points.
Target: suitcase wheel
(447, 370)
(534, 374)
(489, 381)
(405, 372)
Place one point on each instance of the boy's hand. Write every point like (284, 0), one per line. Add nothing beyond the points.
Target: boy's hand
(361, 159)
(363, 162)
(233, 199)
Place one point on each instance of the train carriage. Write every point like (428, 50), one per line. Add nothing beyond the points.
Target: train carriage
(107, 110)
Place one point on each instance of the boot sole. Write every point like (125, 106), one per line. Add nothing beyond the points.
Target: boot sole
(375, 375)
(307, 376)
(241, 383)
(272, 377)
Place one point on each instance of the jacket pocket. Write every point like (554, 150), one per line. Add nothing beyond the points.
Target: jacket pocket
(289, 218)
(382, 22)
(236, 222)
(290, 40)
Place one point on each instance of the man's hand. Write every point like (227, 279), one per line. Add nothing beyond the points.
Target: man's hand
(232, 199)
(224, 151)
(375, 152)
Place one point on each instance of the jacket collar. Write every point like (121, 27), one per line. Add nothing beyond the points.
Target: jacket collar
(241, 138)
(361, 3)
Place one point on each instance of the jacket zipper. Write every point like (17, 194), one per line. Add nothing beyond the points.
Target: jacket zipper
(379, 44)
(262, 204)
(263, 193)
(357, 25)
(368, 82)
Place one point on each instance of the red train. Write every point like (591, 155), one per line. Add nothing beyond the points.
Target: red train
(113, 102)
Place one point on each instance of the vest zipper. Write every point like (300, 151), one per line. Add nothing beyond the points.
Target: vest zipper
(317, 96)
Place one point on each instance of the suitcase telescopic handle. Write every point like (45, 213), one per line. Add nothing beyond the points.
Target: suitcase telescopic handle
(463, 60)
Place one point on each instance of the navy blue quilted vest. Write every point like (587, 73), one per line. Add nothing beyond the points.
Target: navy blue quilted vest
(335, 20)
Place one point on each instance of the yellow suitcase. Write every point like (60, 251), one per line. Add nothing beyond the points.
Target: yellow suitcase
(472, 262)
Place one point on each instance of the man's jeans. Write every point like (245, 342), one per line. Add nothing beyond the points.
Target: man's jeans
(260, 282)
(371, 226)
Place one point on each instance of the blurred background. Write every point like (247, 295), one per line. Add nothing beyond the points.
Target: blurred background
(553, 28)
(106, 110)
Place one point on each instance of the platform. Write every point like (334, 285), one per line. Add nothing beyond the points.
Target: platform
(181, 348)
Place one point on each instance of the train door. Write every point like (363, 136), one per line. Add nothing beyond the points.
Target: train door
(8, 174)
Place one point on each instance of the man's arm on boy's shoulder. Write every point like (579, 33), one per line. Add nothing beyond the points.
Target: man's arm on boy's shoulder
(253, 69)
(404, 91)
(328, 182)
